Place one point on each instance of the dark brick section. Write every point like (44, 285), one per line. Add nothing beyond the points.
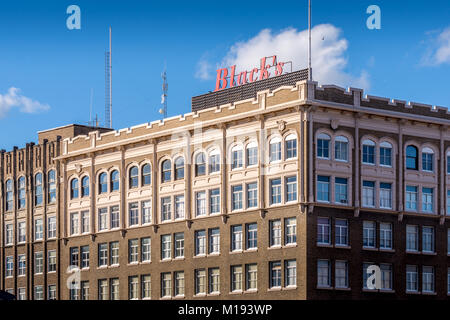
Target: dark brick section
(356, 255)
(246, 91)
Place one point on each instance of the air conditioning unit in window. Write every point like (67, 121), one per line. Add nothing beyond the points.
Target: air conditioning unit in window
(343, 201)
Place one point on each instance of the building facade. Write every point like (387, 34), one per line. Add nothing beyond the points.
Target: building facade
(291, 194)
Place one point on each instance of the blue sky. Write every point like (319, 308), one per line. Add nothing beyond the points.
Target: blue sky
(57, 68)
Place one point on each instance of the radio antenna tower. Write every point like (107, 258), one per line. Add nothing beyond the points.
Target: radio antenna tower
(309, 41)
(165, 88)
(108, 85)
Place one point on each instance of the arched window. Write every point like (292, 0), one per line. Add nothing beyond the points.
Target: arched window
(22, 193)
(427, 159)
(179, 168)
(85, 186)
(134, 177)
(323, 146)
(214, 161)
(236, 157)
(275, 149)
(291, 146)
(51, 186)
(200, 164)
(74, 189)
(102, 183)
(412, 158)
(115, 183)
(166, 171)
(38, 189)
(368, 152)
(341, 148)
(252, 154)
(385, 154)
(9, 195)
(146, 174)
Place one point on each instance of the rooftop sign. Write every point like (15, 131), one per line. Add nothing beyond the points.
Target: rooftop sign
(269, 66)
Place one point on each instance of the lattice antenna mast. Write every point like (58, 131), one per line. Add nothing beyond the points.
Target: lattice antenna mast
(108, 84)
(165, 87)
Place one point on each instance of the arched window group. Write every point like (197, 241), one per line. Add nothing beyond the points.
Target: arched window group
(324, 145)
(370, 152)
(133, 176)
(76, 190)
(412, 158)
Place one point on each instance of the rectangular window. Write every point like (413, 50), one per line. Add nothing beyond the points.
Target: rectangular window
(38, 230)
(251, 236)
(200, 207)
(275, 233)
(427, 161)
(411, 198)
(236, 278)
(179, 245)
(179, 207)
(412, 279)
(179, 283)
(275, 191)
(114, 285)
(236, 157)
(103, 289)
(115, 217)
(427, 239)
(38, 293)
(102, 219)
(22, 234)
(200, 281)
(214, 201)
(412, 238)
(102, 254)
(275, 274)
(84, 290)
(114, 253)
(74, 223)
(427, 200)
(9, 234)
(200, 242)
(386, 156)
(368, 154)
(146, 207)
(323, 231)
(385, 195)
(341, 149)
(214, 163)
(133, 214)
(133, 288)
(166, 213)
(22, 265)
(341, 232)
(323, 274)
(9, 266)
(51, 259)
(236, 197)
(214, 241)
(74, 256)
(251, 275)
(166, 246)
(448, 202)
(252, 156)
(22, 294)
(291, 189)
(291, 148)
(252, 195)
(39, 262)
(146, 286)
(51, 292)
(85, 222)
(236, 238)
(340, 191)
(275, 151)
(214, 280)
(323, 189)
(323, 147)
(85, 257)
(146, 250)
(290, 273)
(428, 279)
(133, 251)
(341, 274)
(368, 194)
(385, 236)
(386, 276)
(290, 231)
(369, 234)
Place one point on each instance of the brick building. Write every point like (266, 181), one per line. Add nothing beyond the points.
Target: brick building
(279, 189)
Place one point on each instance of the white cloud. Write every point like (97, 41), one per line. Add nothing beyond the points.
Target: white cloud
(440, 51)
(203, 70)
(13, 99)
(328, 53)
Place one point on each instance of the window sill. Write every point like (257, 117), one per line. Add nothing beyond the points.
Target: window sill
(236, 292)
(324, 288)
(387, 250)
(251, 291)
(370, 249)
(413, 292)
(180, 296)
(235, 252)
(426, 253)
(324, 245)
(429, 293)
(342, 247)
(274, 289)
(343, 289)
(412, 252)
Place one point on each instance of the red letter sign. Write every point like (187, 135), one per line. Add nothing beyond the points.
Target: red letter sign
(221, 78)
